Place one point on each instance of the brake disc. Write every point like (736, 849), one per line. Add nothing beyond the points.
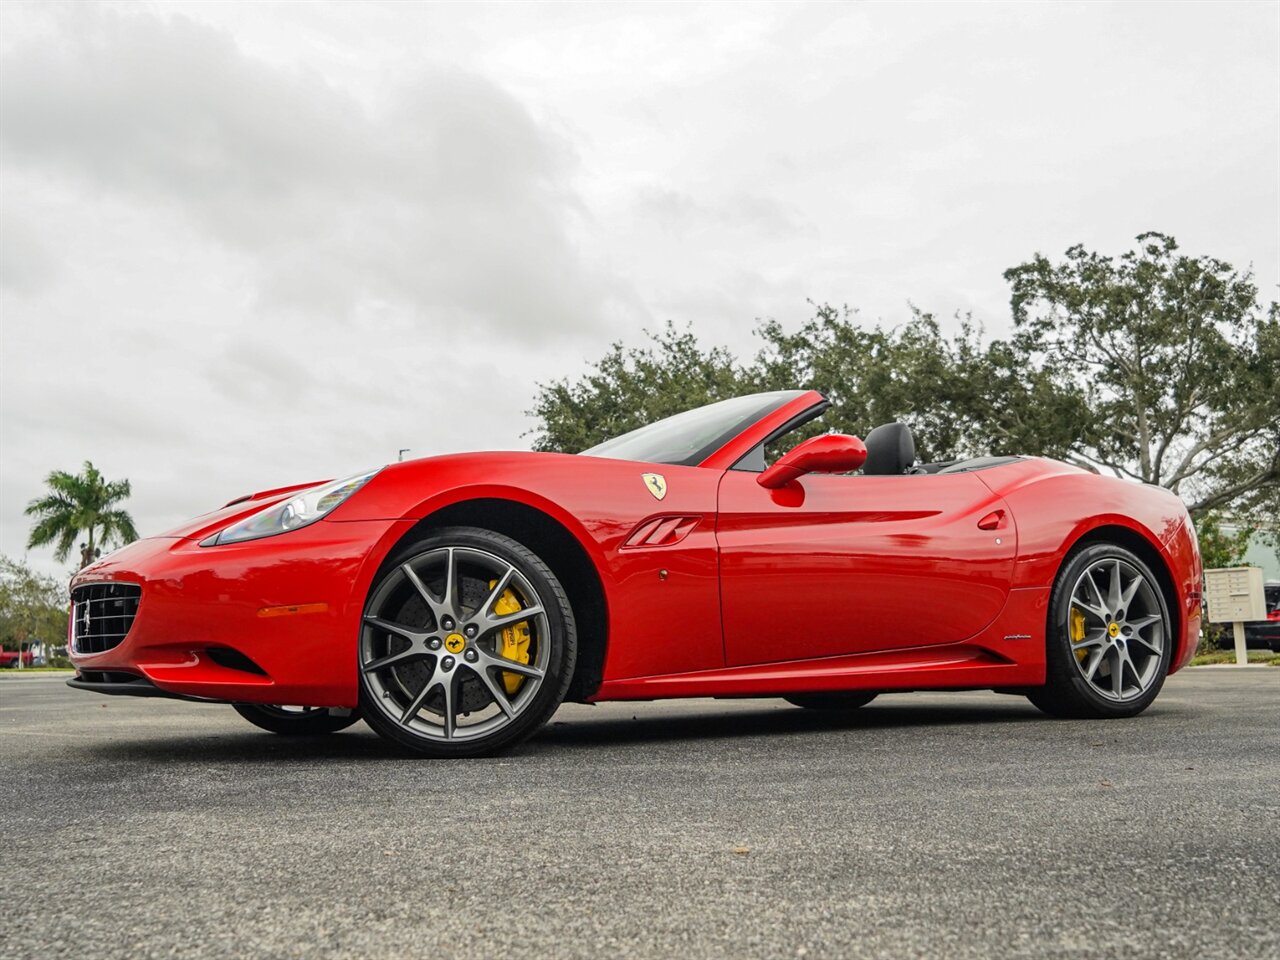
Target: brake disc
(472, 694)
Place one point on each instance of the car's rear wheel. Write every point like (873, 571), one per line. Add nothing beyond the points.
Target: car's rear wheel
(296, 721)
(467, 645)
(833, 700)
(1109, 637)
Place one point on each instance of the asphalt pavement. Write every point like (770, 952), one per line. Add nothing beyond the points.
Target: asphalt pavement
(923, 825)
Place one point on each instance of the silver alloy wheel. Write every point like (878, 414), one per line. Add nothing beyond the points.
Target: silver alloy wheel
(431, 646)
(1116, 628)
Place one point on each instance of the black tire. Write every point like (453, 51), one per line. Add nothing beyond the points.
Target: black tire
(384, 691)
(1067, 692)
(295, 721)
(833, 700)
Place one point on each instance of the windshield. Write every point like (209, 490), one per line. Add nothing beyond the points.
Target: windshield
(689, 438)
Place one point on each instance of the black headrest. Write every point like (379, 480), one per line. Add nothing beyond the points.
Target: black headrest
(890, 450)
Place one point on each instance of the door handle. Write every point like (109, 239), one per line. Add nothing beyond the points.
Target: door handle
(994, 520)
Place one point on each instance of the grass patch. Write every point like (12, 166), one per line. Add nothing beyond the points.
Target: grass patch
(1229, 656)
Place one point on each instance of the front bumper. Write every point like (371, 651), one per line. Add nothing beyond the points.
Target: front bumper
(267, 621)
(123, 685)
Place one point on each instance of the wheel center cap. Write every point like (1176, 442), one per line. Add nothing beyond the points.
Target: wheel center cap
(454, 642)
(1113, 630)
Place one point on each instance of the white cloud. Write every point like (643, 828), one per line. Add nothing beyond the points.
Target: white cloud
(449, 198)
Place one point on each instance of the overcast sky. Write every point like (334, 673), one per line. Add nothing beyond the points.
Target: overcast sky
(248, 244)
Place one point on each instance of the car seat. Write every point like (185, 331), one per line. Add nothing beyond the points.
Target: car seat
(891, 450)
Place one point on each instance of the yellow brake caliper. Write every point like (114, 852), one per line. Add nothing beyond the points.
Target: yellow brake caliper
(515, 639)
(1077, 632)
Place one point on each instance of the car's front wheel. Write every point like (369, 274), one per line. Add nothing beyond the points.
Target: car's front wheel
(296, 721)
(1109, 637)
(467, 646)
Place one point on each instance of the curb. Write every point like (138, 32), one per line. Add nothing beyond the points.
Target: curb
(41, 675)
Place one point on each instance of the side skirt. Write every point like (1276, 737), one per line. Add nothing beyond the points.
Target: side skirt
(1009, 653)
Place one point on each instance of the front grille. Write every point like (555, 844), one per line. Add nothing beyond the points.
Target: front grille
(101, 615)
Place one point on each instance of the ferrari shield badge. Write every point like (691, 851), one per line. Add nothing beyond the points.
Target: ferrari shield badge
(656, 484)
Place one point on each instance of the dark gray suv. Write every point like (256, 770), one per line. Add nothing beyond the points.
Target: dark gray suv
(1266, 633)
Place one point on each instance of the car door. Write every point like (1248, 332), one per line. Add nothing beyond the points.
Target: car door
(833, 565)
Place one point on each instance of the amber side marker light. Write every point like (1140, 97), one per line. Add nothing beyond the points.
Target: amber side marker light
(293, 608)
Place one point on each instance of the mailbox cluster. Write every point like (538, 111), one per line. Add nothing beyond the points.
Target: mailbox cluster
(1235, 595)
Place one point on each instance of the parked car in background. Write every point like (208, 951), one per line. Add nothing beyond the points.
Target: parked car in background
(1258, 634)
(1266, 633)
(9, 658)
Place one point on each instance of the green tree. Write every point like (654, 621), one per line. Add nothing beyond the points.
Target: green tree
(961, 398)
(1154, 366)
(33, 607)
(1219, 545)
(79, 504)
(870, 374)
(631, 386)
(1178, 365)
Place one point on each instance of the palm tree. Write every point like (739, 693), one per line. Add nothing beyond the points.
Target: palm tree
(80, 503)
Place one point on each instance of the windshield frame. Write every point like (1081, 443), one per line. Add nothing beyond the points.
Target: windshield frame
(770, 403)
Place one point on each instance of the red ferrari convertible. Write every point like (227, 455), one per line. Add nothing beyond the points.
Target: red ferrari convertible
(454, 602)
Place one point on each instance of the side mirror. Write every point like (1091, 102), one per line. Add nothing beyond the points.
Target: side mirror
(832, 453)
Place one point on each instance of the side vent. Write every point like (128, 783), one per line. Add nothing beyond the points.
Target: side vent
(661, 532)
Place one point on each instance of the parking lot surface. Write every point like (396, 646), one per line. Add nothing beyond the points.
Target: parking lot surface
(940, 825)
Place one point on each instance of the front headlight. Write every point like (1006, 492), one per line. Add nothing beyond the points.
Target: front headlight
(306, 507)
